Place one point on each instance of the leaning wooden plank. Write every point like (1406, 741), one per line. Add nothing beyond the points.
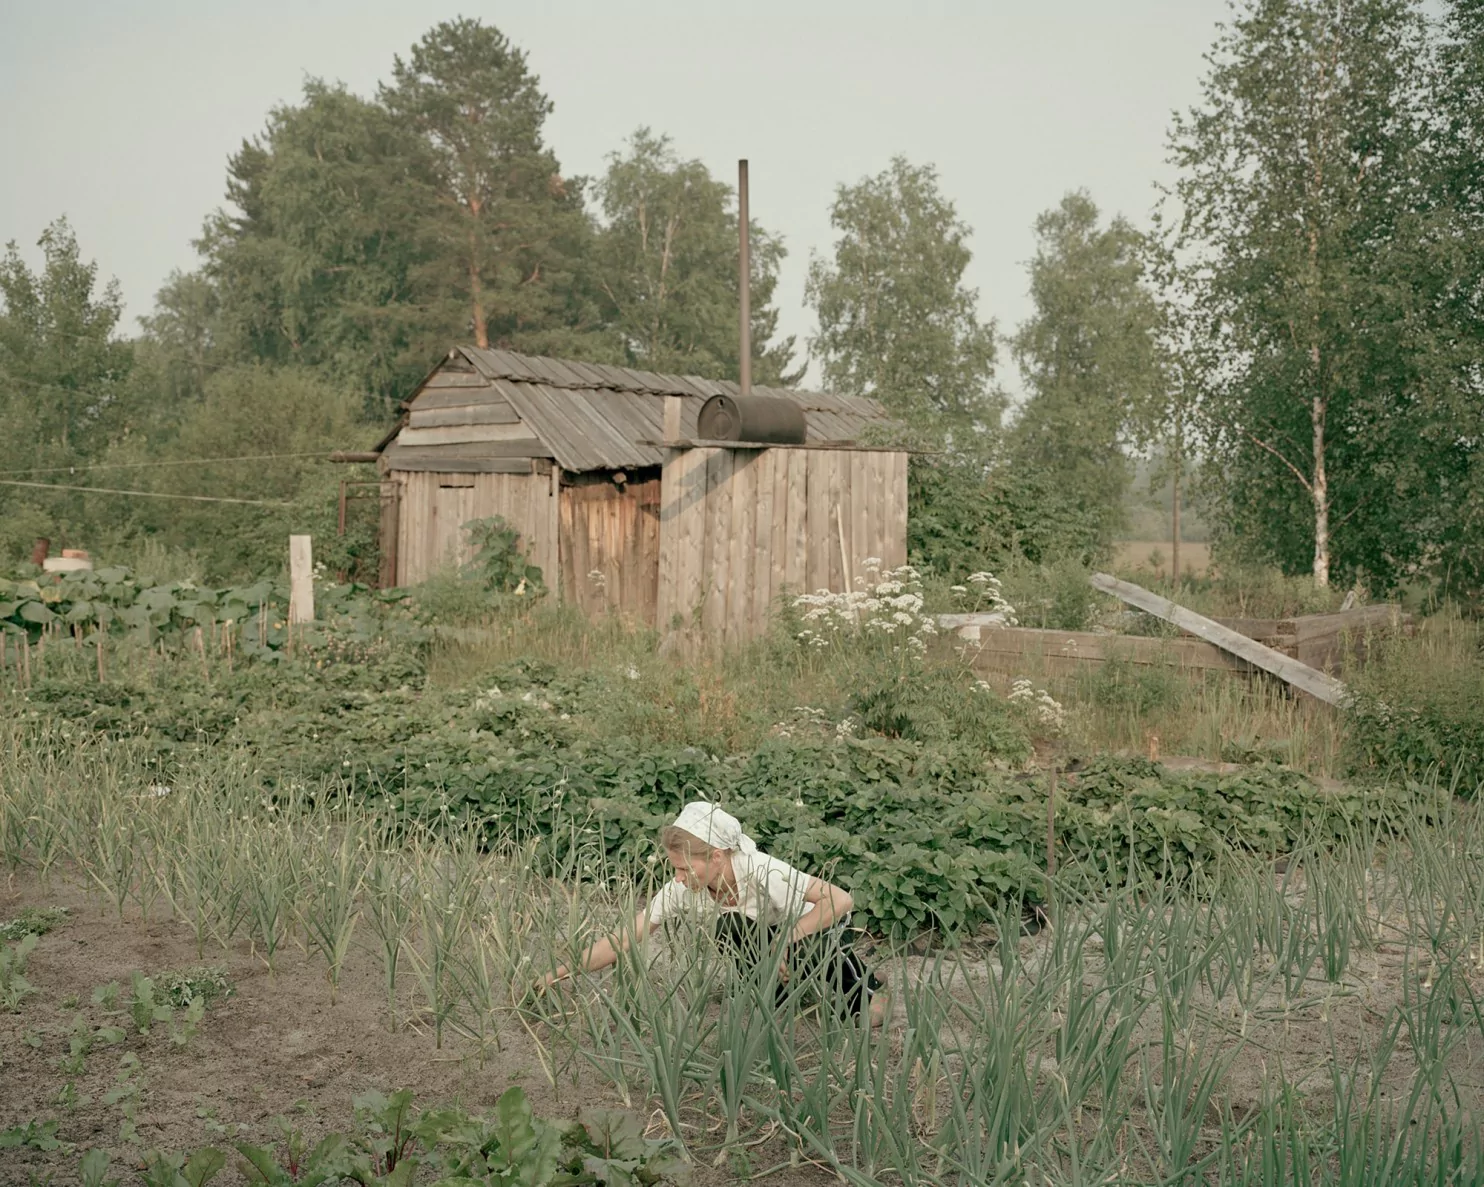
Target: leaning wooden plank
(1285, 667)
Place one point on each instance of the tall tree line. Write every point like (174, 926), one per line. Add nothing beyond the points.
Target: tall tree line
(1300, 325)
(362, 236)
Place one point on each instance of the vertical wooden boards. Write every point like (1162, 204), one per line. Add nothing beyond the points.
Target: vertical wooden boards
(683, 523)
(717, 559)
(796, 560)
(669, 576)
(742, 538)
(837, 515)
(551, 513)
(864, 494)
(894, 549)
(391, 524)
(778, 519)
(739, 527)
(646, 580)
(819, 526)
(610, 551)
(761, 560)
(432, 509)
(301, 580)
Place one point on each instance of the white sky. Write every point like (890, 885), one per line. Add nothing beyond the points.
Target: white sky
(122, 114)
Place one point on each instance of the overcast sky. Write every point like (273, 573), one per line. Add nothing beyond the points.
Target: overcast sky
(122, 114)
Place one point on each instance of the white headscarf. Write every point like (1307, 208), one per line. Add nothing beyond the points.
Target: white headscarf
(717, 828)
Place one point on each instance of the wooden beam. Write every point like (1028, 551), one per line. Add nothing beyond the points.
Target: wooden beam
(1015, 649)
(674, 407)
(1285, 667)
(838, 446)
(459, 434)
(456, 465)
(494, 413)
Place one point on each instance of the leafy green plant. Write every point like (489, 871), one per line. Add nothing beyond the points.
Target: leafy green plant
(33, 921)
(144, 1010)
(297, 1164)
(178, 988)
(34, 1135)
(107, 996)
(498, 563)
(193, 1170)
(93, 1170)
(128, 1085)
(14, 988)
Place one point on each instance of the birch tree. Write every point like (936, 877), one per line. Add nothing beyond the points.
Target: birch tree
(1299, 179)
(667, 259)
(896, 320)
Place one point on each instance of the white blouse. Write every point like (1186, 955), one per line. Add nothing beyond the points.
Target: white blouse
(768, 890)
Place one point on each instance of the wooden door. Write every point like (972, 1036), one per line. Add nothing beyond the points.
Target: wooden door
(453, 507)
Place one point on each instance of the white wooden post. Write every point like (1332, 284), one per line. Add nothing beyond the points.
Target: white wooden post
(301, 580)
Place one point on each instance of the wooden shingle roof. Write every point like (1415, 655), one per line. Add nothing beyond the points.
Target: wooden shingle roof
(593, 416)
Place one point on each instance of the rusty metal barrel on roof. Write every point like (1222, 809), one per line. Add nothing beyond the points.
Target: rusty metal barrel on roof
(766, 420)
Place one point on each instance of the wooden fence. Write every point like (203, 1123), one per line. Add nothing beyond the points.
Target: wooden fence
(1322, 641)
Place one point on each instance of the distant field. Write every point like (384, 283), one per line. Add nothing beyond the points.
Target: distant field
(1134, 553)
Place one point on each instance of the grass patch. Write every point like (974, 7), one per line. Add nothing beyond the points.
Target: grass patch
(1419, 707)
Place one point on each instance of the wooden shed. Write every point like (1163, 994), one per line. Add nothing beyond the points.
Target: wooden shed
(599, 470)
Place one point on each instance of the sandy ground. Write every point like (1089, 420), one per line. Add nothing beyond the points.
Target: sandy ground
(276, 1048)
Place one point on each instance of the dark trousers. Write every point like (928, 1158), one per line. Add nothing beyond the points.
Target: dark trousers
(848, 981)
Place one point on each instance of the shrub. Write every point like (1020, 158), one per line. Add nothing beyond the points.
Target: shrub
(1417, 707)
(498, 563)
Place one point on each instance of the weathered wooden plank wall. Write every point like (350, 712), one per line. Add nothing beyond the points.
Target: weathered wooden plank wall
(610, 546)
(740, 527)
(459, 423)
(432, 509)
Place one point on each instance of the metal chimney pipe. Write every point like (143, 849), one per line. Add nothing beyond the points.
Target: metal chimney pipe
(745, 281)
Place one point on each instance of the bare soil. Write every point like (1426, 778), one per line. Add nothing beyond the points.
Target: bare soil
(276, 1048)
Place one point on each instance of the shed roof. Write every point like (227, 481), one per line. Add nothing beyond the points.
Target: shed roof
(594, 416)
